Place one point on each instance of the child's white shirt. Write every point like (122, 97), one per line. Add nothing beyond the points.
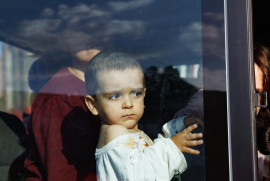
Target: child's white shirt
(134, 157)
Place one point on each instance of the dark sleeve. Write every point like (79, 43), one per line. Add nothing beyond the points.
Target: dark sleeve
(46, 160)
(263, 131)
(263, 139)
(194, 107)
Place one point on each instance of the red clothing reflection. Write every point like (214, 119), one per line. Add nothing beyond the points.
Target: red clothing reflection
(51, 155)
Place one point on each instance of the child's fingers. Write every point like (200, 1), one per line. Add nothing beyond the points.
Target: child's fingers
(194, 136)
(190, 128)
(190, 151)
(194, 143)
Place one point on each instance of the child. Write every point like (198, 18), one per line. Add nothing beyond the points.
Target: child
(115, 87)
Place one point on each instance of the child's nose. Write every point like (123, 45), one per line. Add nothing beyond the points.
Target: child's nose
(127, 103)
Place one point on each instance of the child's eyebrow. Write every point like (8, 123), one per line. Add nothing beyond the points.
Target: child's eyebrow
(121, 90)
(110, 93)
(139, 88)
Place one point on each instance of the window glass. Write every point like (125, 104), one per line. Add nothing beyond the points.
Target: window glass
(15, 92)
(179, 44)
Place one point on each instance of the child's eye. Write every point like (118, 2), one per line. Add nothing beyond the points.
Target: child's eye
(136, 93)
(114, 96)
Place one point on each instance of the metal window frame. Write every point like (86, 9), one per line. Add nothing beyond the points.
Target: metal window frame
(237, 121)
(240, 90)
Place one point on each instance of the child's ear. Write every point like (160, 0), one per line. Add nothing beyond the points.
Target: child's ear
(91, 104)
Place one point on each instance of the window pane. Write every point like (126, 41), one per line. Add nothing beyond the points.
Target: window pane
(179, 44)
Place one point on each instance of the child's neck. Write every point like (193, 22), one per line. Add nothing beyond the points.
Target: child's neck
(128, 130)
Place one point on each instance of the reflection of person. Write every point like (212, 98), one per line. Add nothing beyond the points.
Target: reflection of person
(115, 87)
(174, 92)
(193, 112)
(194, 106)
(45, 67)
(262, 80)
(12, 144)
(190, 114)
(58, 98)
(38, 75)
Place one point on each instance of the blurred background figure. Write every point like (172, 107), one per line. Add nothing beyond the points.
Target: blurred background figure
(194, 112)
(13, 147)
(59, 103)
(262, 82)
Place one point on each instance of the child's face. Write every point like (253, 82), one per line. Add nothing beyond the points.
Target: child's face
(121, 97)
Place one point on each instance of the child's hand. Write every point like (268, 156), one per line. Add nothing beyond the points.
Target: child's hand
(185, 139)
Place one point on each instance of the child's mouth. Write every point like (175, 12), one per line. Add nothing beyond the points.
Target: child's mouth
(128, 115)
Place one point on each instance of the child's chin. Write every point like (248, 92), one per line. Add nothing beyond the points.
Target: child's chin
(133, 125)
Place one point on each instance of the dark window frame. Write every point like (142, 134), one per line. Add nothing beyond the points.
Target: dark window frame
(241, 162)
(241, 90)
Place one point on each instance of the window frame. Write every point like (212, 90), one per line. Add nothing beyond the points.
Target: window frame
(241, 89)
(239, 161)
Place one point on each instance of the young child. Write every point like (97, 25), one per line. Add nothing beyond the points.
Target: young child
(115, 87)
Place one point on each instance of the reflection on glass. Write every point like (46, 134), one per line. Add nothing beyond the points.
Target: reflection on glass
(166, 39)
(14, 91)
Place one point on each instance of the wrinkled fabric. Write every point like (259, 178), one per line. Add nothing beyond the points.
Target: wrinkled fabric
(134, 157)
